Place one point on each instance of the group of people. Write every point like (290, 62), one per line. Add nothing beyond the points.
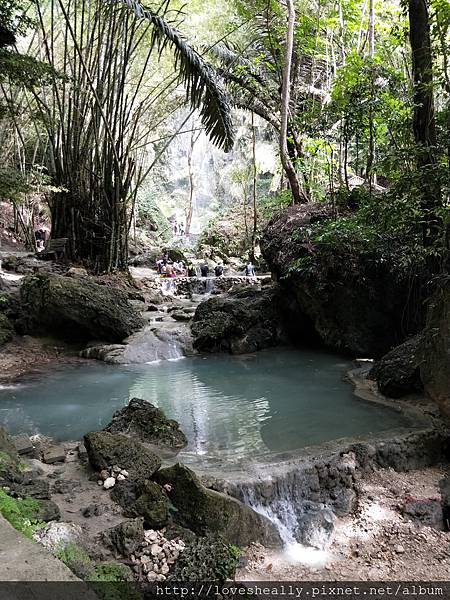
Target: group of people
(178, 229)
(170, 268)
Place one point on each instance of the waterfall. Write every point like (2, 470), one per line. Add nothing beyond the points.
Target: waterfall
(169, 286)
(301, 498)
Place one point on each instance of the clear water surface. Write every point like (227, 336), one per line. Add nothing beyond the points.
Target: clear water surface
(231, 408)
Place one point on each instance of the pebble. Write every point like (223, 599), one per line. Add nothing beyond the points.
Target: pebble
(151, 576)
(104, 474)
(121, 477)
(109, 483)
(99, 482)
(155, 550)
(124, 473)
(399, 549)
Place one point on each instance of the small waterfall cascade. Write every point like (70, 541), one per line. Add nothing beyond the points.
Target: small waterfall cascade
(169, 286)
(299, 499)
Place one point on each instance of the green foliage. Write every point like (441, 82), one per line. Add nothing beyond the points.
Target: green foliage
(20, 513)
(226, 567)
(112, 572)
(20, 69)
(77, 560)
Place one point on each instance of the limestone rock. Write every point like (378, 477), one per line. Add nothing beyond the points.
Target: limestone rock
(23, 444)
(153, 504)
(125, 537)
(56, 536)
(105, 449)
(435, 367)
(143, 421)
(109, 483)
(245, 321)
(206, 511)
(355, 300)
(54, 454)
(398, 372)
(75, 308)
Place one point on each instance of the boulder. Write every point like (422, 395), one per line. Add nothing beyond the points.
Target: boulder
(444, 486)
(56, 536)
(146, 422)
(398, 373)
(435, 366)
(76, 309)
(242, 322)
(206, 511)
(126, 537)
(143, 499)
(358, 301)
(107, 449)
(153, 504)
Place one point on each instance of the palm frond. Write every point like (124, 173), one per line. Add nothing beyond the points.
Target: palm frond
(203, 90)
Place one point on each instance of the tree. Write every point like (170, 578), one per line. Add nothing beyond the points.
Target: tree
(424, 123)
(98, 121)
(286, 161)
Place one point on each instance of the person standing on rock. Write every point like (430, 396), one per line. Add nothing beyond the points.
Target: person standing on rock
(204, 270)
(249, 269)
(218, 269)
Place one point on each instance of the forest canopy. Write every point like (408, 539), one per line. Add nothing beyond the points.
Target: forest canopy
(350, 97)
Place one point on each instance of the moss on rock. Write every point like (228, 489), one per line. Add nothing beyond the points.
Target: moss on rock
(76, 309)
(107, 449)
(205, 511)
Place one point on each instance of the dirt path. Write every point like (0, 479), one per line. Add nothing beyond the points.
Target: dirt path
(377, 543)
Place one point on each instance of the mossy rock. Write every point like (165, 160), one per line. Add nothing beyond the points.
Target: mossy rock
(153, 504)
(146, 499)
(142, 420)
(107, 449)
(398, 372)
(206, 511)
(76, 309)
(125, 537)
(244, 321)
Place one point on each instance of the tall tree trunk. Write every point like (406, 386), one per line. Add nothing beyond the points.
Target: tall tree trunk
(370, 176)
(289, 169)
(190, 210)
(424, 118)
(255, 181)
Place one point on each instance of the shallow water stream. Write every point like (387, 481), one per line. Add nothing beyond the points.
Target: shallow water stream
(231, 408)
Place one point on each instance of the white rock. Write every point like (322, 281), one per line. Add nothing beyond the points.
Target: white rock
(56, 536)
(109, 483)
(155, 550)
(165, 569)
(99, 482)
(124, 473)
(120, 477)
(160, 577)
(152, 576)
